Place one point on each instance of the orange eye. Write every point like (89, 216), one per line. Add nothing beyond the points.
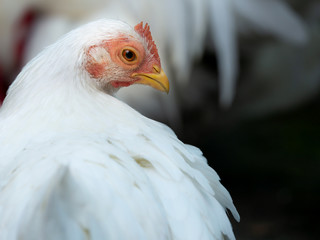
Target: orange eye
(129, 55)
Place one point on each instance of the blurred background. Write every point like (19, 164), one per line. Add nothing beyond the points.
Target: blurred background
(245, 83)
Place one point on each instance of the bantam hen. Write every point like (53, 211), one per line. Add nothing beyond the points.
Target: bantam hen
(77, 163)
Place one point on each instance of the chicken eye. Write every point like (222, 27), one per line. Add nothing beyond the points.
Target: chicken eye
(129, 55)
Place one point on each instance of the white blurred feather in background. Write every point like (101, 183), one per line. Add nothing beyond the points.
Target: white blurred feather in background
(182, 29)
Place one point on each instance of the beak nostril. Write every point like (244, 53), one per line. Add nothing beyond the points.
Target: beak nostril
(156, 69)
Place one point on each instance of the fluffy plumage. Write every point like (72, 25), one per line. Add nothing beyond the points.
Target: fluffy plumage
(77, 163)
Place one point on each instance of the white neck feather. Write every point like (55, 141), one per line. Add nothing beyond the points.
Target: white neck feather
(54, 92)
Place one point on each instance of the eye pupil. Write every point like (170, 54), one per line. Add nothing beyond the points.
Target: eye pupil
(129, 55)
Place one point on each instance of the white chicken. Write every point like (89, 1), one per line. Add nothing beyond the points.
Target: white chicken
(76, 163)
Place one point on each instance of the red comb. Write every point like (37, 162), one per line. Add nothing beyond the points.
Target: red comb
(144, 32)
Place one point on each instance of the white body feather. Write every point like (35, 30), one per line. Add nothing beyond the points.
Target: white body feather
(76, 163)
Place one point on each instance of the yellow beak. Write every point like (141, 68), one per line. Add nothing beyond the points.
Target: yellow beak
(158, 79)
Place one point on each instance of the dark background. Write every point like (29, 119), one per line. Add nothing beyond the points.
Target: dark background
(271, 168)
(269, 164)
